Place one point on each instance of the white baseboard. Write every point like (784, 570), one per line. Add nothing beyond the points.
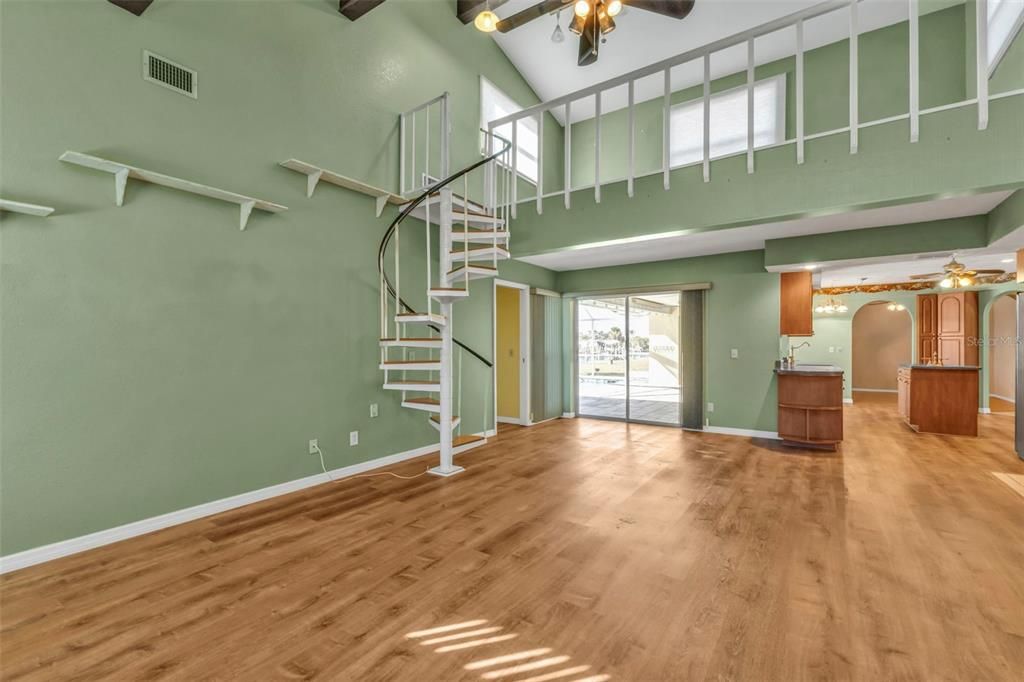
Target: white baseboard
(509, 420)
(848, 401)
(568, 415)
(1002, 397)
(56, 550)
(984, 410)
(749, 433)
(875, 390)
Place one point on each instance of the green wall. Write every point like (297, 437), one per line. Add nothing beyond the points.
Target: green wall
(741, 312)
(154, 357)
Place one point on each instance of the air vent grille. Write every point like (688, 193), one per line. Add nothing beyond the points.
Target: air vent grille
(181, 79)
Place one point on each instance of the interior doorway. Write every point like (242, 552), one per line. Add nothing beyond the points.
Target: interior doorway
(883, 339)
(511, 352)
(1002, 354)
(628, 357)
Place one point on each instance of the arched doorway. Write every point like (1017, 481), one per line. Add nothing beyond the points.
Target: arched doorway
(883, 339)
(1002, 353)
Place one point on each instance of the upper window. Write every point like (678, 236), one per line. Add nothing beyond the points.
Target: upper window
(495, 104)
(1005, 17)
(729, 122)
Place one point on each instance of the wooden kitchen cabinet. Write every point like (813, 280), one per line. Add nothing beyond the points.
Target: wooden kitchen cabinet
(795, 304)
(947, 328)
(927, 327)
(811, 406)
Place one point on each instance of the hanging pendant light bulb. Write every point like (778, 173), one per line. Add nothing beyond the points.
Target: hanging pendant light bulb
(557, 36)
(613, 7)
(486, 21)
(582, 8)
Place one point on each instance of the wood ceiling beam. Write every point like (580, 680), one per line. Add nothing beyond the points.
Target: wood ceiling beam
(467, 10)
(353, 9)
(136, 7)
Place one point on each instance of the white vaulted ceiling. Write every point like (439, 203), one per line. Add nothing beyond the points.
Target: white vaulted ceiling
(642, 38)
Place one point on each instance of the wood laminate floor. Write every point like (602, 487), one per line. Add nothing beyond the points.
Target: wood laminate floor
(572, 550)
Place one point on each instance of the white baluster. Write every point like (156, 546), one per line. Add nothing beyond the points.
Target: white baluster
(915, 71)
(981, 61)
(854, 72)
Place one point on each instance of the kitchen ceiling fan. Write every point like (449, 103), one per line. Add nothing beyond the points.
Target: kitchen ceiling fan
(591, 19)
(955, 275)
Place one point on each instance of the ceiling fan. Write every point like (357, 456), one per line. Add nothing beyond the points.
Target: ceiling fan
(591, 19)
(955, 275)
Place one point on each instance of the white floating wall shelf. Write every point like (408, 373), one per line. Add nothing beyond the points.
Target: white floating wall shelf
(122, 172)
(315, 174)
(22, 207)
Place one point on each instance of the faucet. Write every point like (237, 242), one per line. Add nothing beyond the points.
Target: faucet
(792, 352)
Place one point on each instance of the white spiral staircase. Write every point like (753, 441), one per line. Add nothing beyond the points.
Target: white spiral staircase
(417, 345)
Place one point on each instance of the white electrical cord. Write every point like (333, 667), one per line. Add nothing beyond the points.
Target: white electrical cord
(379, 473)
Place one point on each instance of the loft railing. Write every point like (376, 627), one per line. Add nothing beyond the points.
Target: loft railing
(796, 21)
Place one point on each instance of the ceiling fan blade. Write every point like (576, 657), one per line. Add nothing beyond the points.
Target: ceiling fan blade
(677, 9)
(590, 41)
(930, 275)
(530, 13)
(987, 272)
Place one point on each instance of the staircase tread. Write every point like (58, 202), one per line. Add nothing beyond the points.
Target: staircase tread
(418, 314)
(482, 247)
(410, 362)
(414, 381)
(411, 338)
(447, 289)
(437, 418)
(423, 401)
(466, 440)
(473, 265)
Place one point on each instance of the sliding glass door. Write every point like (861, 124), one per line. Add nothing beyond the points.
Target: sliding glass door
(628, 357)
(601, 357)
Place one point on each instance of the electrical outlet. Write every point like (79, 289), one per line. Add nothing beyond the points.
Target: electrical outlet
(711, 407)
(373, 410)
(314, 445)
(734, 353)
(353, 438)
(831, 349)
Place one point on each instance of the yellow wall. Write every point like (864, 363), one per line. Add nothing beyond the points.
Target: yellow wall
(507, 360)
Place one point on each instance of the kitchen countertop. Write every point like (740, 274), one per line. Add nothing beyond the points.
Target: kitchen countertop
(809, 370)
(960, 367)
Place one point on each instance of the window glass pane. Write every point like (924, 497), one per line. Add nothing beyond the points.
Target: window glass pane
(1003, 22)
(495, 104)
(729, 122)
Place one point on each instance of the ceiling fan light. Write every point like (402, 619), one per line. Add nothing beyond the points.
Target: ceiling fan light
(613, 8)
(577, 24)
(486, 21)
(841, 308)
(581, 8)
(891, 306)
(604, 20)
(946, 283)
(900, 306)
(964, 281)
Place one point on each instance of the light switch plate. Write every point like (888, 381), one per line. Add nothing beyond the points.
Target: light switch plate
(734, 353)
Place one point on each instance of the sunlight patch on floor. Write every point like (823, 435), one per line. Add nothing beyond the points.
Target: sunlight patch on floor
(476, 636)
(1014, 481)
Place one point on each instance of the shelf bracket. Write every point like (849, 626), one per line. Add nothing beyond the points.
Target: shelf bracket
(245, 208)
(311, 181)
(382, 201)
(120, 182)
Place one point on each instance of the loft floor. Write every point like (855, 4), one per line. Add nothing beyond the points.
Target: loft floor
(591, 549)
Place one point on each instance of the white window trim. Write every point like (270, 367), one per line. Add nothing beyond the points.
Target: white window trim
(483, 126)
(780, 115)
(1005, 47)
